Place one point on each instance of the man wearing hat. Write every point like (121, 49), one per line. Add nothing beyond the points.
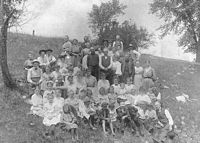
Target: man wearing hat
(42, 58)
(50, 58)
(93, 63)
(105, 64)
(34, 75)
(134, 53)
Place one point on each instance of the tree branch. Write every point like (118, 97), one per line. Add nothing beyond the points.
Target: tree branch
(9, 16)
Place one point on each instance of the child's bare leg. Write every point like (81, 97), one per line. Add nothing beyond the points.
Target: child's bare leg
(72, 134)
(76, 134)
(91, 122)
(111, 127)
(104, 126)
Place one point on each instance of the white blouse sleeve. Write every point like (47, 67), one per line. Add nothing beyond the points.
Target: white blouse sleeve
(169, 117)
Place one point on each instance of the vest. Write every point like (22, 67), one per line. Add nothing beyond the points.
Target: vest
(106, 62)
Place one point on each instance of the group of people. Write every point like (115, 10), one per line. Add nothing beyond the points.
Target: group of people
(101, 86)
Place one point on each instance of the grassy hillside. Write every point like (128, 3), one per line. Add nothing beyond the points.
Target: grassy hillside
(179, 76)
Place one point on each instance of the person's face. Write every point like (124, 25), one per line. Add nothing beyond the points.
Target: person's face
(58, 94)
(88, 73)
(105, 44)
(48, 70)
(89, 93)
(66, 38)
(137, 64)
(79, 74)
(103, 77)
(36, 64)
(57, 69)
(82, 94)
(114, 59)
(147, 64)
(102, 91)
(129, 81)
(87, 45)
(117, 37)
(116, 81)
(50, 98)
(92, 51)
(42, 54)
(75, 42)
(70, 79)
(71, 94)
(106, 53)
(111, 89)
(30, 56)
(66, 109)
(122, 85)
(49, 85)
(37, 91)
(48, 53)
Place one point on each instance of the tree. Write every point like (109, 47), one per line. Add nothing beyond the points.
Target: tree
(183, 18)
(101, 17)
(10, 11)
(131, 34)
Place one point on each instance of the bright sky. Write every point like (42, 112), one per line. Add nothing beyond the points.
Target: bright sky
(70, 17)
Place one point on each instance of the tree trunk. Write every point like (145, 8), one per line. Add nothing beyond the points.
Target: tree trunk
(7, 79)
(198, 52)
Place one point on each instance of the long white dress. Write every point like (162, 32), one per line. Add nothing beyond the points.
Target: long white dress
(52, 113)
(138, 77)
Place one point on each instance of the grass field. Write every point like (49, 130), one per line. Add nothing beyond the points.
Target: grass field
(179, 76)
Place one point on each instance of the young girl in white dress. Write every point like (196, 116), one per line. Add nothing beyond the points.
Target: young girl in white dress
(138, 75)
(37, 103)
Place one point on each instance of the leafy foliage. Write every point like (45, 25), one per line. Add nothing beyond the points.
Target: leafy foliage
(181, 17)
(130, 34)
(102, 20)
(13, 10)
(102, 15)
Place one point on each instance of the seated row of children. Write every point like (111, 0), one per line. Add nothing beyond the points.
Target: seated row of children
(117, 108)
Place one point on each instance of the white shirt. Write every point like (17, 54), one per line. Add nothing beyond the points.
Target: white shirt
(117, 67)
(84, 62)
(169, 117)
(50, 59)
(34, 73)
(43, 60)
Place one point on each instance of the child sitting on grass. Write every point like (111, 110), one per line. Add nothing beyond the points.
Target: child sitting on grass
(104, 112)
(37, 103)
(129, 86)
(70, 121)
(91, 112)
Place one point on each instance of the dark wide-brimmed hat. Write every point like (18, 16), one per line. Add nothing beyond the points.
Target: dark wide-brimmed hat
(42, 51)
(49, 50)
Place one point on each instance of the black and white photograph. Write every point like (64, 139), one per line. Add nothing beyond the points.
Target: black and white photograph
(99, 71)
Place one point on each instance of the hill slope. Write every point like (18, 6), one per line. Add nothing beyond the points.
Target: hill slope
(179, 76)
